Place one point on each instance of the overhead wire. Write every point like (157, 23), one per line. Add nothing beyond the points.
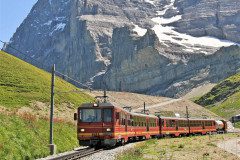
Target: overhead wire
(48, 68)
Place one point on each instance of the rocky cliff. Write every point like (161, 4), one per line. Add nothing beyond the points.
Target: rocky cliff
(134, 45)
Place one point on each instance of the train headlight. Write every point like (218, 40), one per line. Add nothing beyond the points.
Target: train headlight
(82, 130)
(108, 129)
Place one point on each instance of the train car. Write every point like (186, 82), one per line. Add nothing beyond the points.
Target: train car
(172, 126)
(104, 124)
(221, 126)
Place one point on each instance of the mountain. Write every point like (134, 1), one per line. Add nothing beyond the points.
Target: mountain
(158, 47)
(24, 110)
(223, 99)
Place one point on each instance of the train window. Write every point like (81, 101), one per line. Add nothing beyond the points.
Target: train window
(129, 122)
(107, 115)
(208, 123)
(91, 115)
(162, 121)
(171, 123)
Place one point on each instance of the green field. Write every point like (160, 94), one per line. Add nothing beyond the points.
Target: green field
(26, 135)
(195, 147)
(21, 83)
(24, 138)
(224, 98)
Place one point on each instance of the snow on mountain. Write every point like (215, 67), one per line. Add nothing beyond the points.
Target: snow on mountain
(140, 31)
(58, 27)
(167, 33)
(150, 1)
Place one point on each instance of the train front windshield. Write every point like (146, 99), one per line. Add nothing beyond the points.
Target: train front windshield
(96, 115)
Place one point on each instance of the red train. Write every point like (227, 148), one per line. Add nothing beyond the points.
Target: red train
(108, 125)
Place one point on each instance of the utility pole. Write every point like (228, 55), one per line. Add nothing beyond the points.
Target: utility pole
(51, 145)
(188, 119)
(144, 107)
(105, 96)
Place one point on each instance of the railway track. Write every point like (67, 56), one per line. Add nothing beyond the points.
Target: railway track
(74, 155)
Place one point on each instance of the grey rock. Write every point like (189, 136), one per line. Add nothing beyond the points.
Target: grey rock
(220, 18)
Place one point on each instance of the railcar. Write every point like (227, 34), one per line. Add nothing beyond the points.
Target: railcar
(103, 124)
(172, 126)
(108, 125)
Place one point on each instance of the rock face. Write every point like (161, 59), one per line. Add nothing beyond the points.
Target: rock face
(219, 18)
(144, 70)
(133, 45)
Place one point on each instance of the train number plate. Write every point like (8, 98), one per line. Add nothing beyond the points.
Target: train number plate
(95, 134)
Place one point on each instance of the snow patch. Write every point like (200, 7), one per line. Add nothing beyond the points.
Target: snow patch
(98, 74)
(140, 31)
(161, 20)
(171, 5)
(48, 23)
(60, 18)
(58, 27)
(150, 1)
(168, 34)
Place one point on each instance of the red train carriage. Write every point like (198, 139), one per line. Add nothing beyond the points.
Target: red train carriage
(108, 125)
(183, 126)
(105, 124)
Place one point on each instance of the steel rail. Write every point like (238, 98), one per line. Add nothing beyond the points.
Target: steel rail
(74, 155)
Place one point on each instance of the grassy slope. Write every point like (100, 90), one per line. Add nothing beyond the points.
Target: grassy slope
(196, 147)
(22, 83)
(25, 136)
(22, 138)
(224, 98)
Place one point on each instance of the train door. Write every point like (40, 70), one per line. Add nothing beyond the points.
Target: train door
(147, 121)
(203, 126)
(161, 124)
(126, 121)
(176, 125)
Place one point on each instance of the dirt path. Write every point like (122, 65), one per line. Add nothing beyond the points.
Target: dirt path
(232, 146)
(159, 104)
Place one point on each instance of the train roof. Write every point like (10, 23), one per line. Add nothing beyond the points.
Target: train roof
(192, 118)
(90, 105)
(99, 105)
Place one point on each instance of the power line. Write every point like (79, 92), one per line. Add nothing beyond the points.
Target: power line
(47, 67)
(66, 76)
(27, 56)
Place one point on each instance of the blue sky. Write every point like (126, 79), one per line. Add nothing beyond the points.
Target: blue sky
(12, 13)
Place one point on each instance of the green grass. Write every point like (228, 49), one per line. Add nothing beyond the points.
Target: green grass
(224, 98)
(22, 138)
(21, 83)
(194, 147)
(237, 125)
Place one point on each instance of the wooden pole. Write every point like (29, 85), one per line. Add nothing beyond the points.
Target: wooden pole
(51, 145)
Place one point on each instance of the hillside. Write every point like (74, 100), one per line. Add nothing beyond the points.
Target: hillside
(224, 98)
(22, 84)
(24, 110)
